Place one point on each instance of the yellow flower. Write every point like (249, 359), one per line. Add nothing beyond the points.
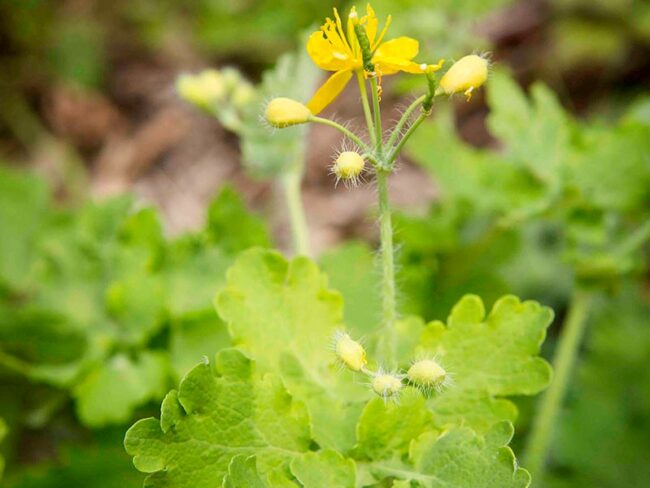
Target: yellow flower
(466, 75)
(283, 112)
(333, 49)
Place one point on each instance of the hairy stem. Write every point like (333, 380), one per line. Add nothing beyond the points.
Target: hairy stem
(545, 419)
(346, 132)
(377, 113)
(400, 145)
(291, 183)
(366, 105)
(388, 267)
(403, 120)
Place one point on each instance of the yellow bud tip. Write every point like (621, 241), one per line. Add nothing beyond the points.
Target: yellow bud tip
(386, 385)
(348, 166)
(427, 373)
(203, 89)
(350, 352)
(466, 75)
(284, 112)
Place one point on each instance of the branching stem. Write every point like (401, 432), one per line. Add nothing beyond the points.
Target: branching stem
(346, 132)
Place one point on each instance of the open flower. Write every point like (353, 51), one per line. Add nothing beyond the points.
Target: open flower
(334, 49)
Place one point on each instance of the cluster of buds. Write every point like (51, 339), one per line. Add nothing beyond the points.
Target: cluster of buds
(224, 93)
(427, 375)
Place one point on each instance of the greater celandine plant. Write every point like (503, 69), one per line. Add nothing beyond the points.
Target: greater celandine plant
(358, 49)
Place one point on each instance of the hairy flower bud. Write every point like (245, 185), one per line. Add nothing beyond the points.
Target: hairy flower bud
(386, 385)
(427, 373)
(203, 89)
(466, 75)
(348, 166)
(349, 351)
(284, 112)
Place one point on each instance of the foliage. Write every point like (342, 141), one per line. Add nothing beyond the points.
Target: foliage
(293, 394)
(98, 287)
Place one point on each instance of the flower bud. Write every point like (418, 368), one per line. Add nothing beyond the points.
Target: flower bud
(203, 89)
(348, 166)
(386, 384)
(349, 351)
(427, 374)
(284, 112)
(466, 75)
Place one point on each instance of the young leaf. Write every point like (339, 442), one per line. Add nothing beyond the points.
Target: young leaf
(217, 414)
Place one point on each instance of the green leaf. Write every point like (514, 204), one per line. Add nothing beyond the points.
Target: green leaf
(611, 167)
(217, 414)
(283, 314)
(23, 209)
(535, 132)
(324, 469)
(194, 336)
(487, 358)
(100, 464)
(460, 458)
(351, 270)
(388, 428)
(242, 471)
(110, 392)
(231, 226)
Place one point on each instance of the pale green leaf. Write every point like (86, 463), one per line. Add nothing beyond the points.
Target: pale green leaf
(219, 412)
(284, 315)
(460, 458)
(387, 428)
(352, 271)
(324, 469)
(242, 472)
(487, 358)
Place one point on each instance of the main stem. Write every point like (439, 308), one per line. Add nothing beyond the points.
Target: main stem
(563, 362)
(388, 267)
(291, 182)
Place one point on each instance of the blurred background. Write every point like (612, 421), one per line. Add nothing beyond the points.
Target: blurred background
(88, 104)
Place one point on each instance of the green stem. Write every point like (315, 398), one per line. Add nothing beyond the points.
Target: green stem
(349, 134)
(291, 183)
(377, 112)
(405, 118)
(388, 267)
(366, 105)
(545, 419)
(393, 155)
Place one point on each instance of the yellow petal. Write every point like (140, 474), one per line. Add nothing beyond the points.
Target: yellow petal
(371, 27)
(403, 48)
(381, 35)
(323, 53)
(329, 91)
